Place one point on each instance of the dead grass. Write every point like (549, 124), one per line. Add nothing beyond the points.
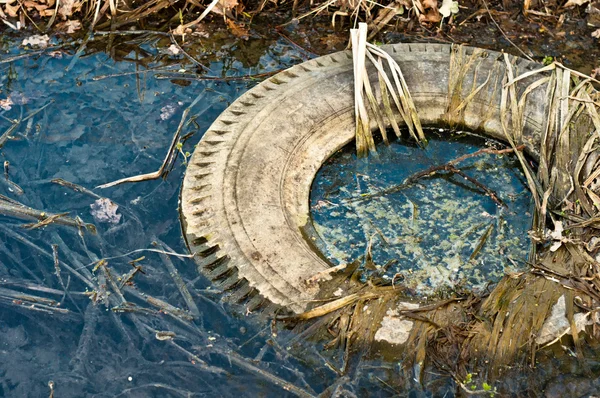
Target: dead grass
(503, 327)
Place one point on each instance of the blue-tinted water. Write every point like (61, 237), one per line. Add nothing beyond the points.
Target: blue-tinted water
(93, 132)
(439, 231)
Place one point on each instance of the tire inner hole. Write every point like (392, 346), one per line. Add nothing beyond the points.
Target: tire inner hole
(429, 232)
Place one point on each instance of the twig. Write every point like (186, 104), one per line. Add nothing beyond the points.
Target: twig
(170, 153)
(37, 288)
(75, 187)
(57, 272)
(220, 78)
(129, 32)
(445, 167)
(12, 209)
(185, 293)
(188, 56)
(135, 72)
(169, 309)
(27, 242)
(51, 383)
(88, 37)
(138, 251)
(32, 53)
(482, 241)
(487, 190)
(298, 46)
(485, 150)
(208, 9)
(504, 34)
(153, 387)
(432, 170)
(129, 276)
(197, 361)
(246, 365)
(29, 302)
(6, 136)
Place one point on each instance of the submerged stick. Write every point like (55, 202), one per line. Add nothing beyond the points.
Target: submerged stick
(15, 123)
(168, 158)
(12, 209)
(188, 56)
(185, 293)
(504, 34)
(75, 187)
(482, 241)
(60, 280)
(276, 380)
(135, 72)
(138, 251)
(450, 166)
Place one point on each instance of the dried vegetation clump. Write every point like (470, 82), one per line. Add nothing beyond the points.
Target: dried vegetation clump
(181, 17)
(557, 294)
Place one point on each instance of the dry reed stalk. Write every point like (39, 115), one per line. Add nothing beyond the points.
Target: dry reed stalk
(364, 138)
(391, 83)
(502, 329)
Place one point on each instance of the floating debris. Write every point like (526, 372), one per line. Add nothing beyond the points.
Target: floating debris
(105, 210)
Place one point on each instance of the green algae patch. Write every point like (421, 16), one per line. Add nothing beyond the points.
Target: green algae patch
(439, 231)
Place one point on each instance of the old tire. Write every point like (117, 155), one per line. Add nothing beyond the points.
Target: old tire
(246, 191)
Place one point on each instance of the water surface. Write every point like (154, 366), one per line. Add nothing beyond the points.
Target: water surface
(438, 231)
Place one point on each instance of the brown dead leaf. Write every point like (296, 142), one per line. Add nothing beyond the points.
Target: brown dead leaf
(429, 11)
(573, 3)
(238, 29)
(226, 7)
(69, 7)
(6, 104)
(47, 12)
(69, 26)
(228, 4)
(12, 11)
(181, 30)
(332, 40)
(30, 4)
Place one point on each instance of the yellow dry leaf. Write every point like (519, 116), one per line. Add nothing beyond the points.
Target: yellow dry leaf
(224, 6)
(429, 11)
(239, 30)
(29, 4)
(12, 11)
(69, 7)
(228, 4)
(179, 31)
(573, 3)
(69, 26)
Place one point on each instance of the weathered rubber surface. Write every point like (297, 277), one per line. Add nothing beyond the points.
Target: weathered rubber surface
(246, 191)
